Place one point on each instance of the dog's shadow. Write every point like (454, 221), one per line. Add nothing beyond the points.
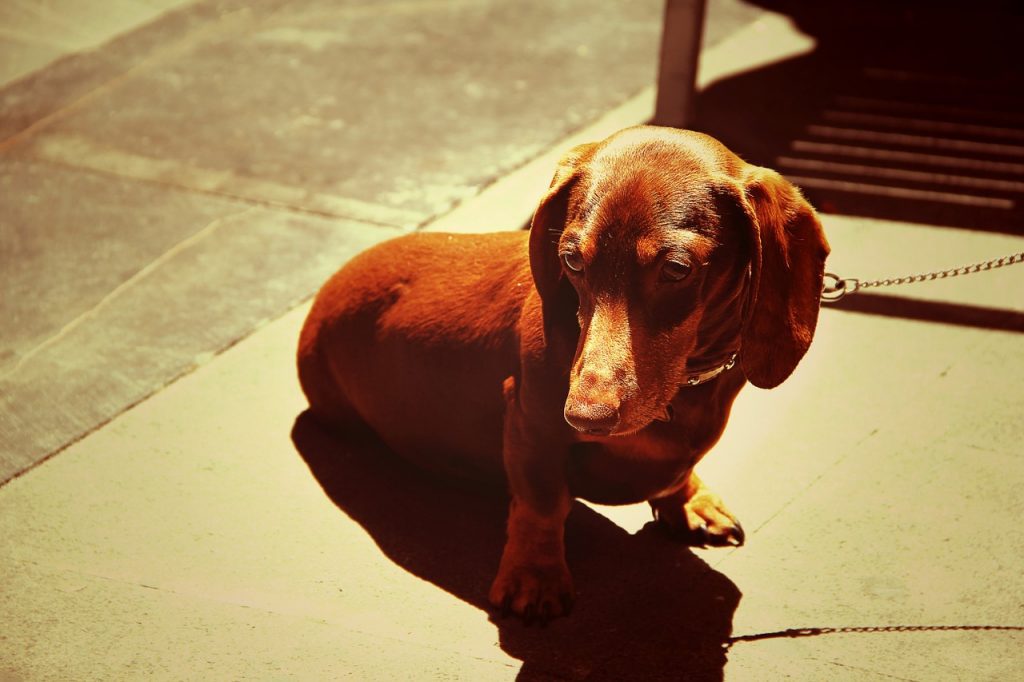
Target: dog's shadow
(647, 607)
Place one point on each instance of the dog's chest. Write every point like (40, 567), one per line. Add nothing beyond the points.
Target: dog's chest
(655, 461)
(628, 469)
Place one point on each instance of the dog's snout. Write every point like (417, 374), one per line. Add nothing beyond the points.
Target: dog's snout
(592, 418)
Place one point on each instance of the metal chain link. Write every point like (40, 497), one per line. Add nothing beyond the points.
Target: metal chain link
(836, 287)
(813, 632)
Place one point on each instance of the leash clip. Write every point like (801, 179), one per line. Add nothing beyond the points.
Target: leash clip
(834, 287)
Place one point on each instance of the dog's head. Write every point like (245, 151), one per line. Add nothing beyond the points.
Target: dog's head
(673, 253)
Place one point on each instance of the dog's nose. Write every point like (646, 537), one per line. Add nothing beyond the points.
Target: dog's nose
(594, 418)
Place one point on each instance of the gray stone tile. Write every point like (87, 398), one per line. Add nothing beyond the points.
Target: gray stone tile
(409, 105)
(139, 284)
(77, 77)
(68, 238)
(20, 56)
(33, 33)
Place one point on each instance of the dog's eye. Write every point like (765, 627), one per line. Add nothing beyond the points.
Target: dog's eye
(573, 261)
(674, 271)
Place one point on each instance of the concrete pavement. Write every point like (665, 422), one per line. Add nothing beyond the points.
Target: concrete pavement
(210, 531)
(207, 532)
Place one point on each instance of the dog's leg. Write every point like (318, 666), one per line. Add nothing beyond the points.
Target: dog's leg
(695, 514)
(533, 579)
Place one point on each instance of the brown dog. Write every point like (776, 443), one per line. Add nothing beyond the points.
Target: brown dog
(589, 358)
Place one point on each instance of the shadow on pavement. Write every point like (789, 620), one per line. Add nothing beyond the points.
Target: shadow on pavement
(647, 608)
(933, 311)
(906, 110)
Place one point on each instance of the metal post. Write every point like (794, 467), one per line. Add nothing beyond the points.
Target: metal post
(677, 70)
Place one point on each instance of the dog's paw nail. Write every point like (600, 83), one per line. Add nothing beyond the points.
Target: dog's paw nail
(703, 536)
(738, 535)
(529, 614)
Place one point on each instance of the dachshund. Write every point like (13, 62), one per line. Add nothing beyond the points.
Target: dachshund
(596, 356)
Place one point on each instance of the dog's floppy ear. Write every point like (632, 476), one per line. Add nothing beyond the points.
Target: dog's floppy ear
(787, 270)
(548, 222)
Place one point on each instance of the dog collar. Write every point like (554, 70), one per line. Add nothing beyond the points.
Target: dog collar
(704, 377)
(697, 380)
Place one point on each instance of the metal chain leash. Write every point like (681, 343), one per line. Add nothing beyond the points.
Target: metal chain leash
(813, 632)
(836, 287)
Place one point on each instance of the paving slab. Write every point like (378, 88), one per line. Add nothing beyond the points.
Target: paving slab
(332, 98)
(33, 34)
(115, 296)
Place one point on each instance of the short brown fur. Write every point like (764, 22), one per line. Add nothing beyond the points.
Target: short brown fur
(488, 355)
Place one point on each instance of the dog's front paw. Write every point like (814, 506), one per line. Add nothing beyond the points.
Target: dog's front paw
(532, 590)
(702, 520)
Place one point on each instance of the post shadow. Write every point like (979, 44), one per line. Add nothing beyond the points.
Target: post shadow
(958, 314)
(647, 607)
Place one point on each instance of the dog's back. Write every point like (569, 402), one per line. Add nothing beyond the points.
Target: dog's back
(414, 338)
